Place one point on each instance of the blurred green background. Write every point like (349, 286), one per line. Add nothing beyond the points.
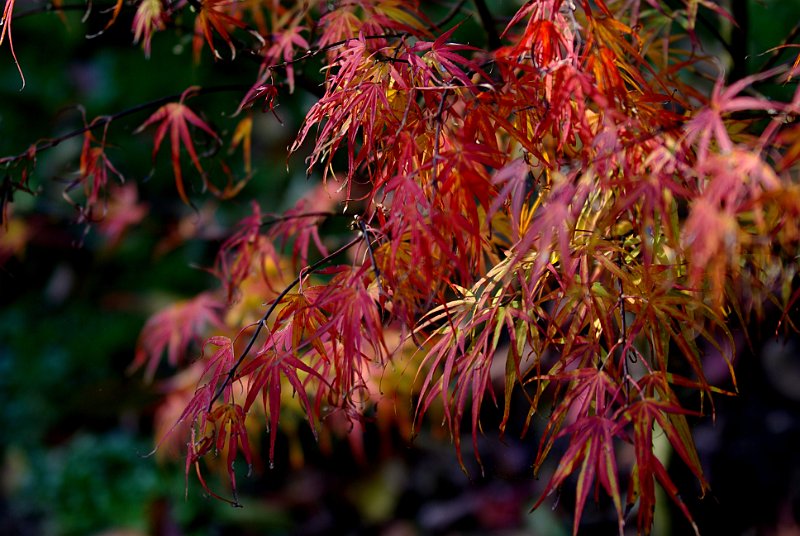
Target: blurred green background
(76, 427)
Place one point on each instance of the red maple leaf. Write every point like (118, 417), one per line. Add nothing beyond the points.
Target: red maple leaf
(282, 50)
(591, 448)
(5, 22)
(176, 117)
(95, 168)
(173, 329)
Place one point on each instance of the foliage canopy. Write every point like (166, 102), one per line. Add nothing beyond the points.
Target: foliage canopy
(563, 216)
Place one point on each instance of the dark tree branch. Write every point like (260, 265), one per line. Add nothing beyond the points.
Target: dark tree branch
(105, 120)
(451, 14)
(50, 8)
(278, 219)
(365, 234)
(739, 39)
(492, 37)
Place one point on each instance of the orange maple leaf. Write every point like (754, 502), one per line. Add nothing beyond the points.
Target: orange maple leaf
(211, 16)
(95, 168)
(115, 11)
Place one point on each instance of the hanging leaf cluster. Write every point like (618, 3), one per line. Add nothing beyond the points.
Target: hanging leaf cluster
(562, 218)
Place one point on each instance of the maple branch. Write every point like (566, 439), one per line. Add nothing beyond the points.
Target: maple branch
(50, 7)
(365, 234)
(439, 119)
(451, 14)
(279, 219)
(313, 51)
(304, 81)
(105, 120)
(492, 37)
(307, 83)
(776, 51)
(624, 339)
(739, 36)
(262, 323)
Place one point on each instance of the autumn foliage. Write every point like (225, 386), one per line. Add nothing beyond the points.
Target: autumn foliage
(562, 216)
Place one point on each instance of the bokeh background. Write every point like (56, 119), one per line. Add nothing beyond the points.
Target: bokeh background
(76, 425)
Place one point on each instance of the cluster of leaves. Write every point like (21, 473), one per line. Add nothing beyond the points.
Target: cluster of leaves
(567, 205)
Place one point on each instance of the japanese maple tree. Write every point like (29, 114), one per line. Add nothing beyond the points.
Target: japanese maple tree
(561, 216)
